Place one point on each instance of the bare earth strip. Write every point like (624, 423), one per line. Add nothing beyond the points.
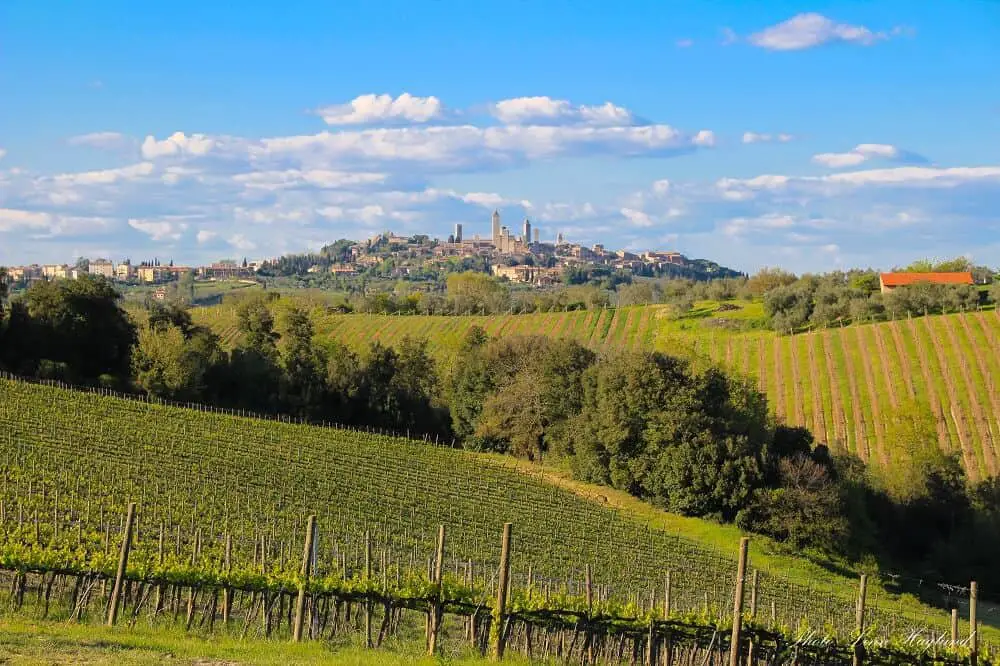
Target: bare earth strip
(745, 353)
(598, 331)
(933, 398)
(904, 360)
(973, 392)
(878, 424)
(762, 378)
(588, 323)
(944, 372)
(628, 330)
(989, 361)
(861, 447)
(885, 359)
(798, 390)
(640, 339)
(778, 388)
(819, 415)
(840, 425)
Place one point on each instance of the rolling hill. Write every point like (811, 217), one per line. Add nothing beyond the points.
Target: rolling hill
(72, 460)
(840, 383)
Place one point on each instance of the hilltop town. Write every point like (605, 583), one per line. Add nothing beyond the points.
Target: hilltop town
(520, 258)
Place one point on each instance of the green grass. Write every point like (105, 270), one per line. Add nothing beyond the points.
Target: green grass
(24, 642)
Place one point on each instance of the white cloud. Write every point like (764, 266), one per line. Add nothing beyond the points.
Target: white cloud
(548, 111)
(684, 43)
(767, 222)
(159, 230)
(204, 236)
(839, 160)
(2, 153)
(637, 218)
(946, 177)
(103, 140)
(11, 219)
(372, 109)
(320, 178)
(807, 30)
(105, 176)
(241, 242)
(757, 137)
(863, 152)
(909, 175)
(179, 144)
(704, 138)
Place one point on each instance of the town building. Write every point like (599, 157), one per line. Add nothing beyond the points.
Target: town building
(55, 271)
(124, 271)
(891, 281)
(102, 267)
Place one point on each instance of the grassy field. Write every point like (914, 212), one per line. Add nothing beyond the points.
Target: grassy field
(24, 642)
(841, 383)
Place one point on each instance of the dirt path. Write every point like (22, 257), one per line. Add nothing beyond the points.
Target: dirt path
(799, 398)
(904, 359)
(878, 422)
(991, 371)
(933, 399)
(841, 427)
(979, 416)
(779, 379)
(886, 361)
(961, 428)
(819, 415)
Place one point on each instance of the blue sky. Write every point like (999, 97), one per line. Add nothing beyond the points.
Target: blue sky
(811, 136)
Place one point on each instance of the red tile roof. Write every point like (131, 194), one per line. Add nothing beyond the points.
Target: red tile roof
(901, 279)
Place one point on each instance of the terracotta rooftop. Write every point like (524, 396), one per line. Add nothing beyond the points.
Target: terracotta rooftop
(901, 279)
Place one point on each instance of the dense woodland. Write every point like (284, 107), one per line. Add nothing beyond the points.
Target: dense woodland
(695, 441)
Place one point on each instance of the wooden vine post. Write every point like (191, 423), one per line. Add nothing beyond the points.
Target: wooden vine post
(859, 622)
(741, 573)
(588, 583)
(754, 587)
(436, 610)
(499, 613)
(954, 627)
(227, 592)
(973, 624)
(368, 601)
(300, 604)
(116, 591)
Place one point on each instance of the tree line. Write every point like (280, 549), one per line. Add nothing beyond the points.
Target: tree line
(693, 440)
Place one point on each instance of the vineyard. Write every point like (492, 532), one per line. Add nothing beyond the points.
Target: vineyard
(840, 383)
(273, 529)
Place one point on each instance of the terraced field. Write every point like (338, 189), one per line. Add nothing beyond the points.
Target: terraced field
(840, 383)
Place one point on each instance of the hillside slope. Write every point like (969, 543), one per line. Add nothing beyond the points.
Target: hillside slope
(202, 475)
(840, 383)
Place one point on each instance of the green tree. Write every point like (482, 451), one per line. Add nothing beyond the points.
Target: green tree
(806, 510)
(767, 279)
(468, 383)
(255, 321)
(304, 365)
(171, 365)
(344, 384)
(696, 444)
(80, 323)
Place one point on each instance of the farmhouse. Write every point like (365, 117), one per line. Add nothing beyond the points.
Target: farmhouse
(889, 281)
